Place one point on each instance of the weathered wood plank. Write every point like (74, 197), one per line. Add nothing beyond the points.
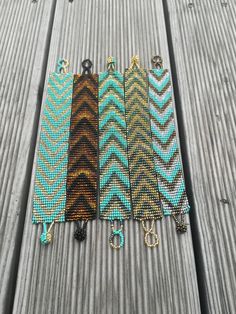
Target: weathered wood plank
(203, 37)
(67, 277)
(23, 44)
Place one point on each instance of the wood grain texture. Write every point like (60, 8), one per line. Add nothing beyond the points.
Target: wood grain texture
(23, 44)
(203, 37)
(67, 277)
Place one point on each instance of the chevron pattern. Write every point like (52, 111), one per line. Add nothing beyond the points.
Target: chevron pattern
(50, 182)
(83, 150)
(113, 160)
(166, 151)
(144, 192)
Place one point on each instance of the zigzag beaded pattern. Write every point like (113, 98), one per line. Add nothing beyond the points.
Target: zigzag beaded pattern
(83, 150)
(144, 192)
(166, 151)
(50, 182)
(113, 160)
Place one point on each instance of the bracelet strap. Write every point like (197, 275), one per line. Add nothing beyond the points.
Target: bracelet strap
(165, 145)
(113, 161)
(83, 150)
(50, 182)
(144, 189)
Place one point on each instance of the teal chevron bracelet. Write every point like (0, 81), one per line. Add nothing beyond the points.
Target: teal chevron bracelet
(113, 161)
(49, 198)
(166, 150)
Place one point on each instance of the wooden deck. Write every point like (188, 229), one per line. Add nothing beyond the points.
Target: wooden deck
(191, 273)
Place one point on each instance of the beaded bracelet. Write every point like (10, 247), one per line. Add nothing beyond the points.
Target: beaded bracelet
(165, 146)
(113, 161)
(144, 191)
(49, 198)
(81, 201)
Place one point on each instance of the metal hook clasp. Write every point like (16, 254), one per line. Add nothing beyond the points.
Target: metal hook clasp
(87, 64)
(62, 66)
(181, 225)
(117, 233)
(157, 62)
(111, 63)
(148, 233)
(134, 62)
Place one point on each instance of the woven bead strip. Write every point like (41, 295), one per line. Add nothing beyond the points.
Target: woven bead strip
(49, 199)
(113, 160)
(83, 150)
(166, 150)
(144, 192)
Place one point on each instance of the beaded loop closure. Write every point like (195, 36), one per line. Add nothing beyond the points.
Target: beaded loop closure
(82, 174)
(49, 198)
(181, 225)
(46, 236)
(80, 233)
(134, 62)
(62, 66)
(165, 145)
(113, 162)
(157, 62)
(117, 233)
(148, 233)
(87, 65)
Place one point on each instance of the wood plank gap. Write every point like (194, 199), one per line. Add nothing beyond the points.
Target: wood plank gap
(186, 168)
(26, 186)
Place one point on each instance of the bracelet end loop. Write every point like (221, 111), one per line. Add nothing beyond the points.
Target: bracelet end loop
(80, 233)
(134, 62)
(117, 233)
(46, 236)
(111, 63)
(62, 66)
(157, 62)
(149, 232)
(181, 226)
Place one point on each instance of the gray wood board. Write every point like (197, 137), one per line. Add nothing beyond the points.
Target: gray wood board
(203, 37)
(23, 44)
(68, 277)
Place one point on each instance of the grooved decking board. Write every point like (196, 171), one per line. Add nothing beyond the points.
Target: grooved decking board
(23, 42)
(204, 50)
(68, 277)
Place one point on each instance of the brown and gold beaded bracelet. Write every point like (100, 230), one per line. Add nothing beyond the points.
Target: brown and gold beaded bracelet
(82, 176)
